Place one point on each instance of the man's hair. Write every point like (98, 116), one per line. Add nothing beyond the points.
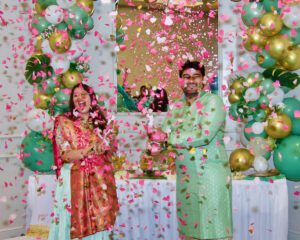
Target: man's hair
(192, 64)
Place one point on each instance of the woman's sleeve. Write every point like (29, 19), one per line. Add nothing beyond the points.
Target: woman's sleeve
(208, 125)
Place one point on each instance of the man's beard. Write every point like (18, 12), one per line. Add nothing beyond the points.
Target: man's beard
(191, 90)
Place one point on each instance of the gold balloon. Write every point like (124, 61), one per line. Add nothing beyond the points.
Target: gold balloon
(38, 8)
(70, 78)
(241, 159)
(86, 5)
(279, 126)
(278, 46)
(60, 41)
(256, 37)
(237, 86)
(270, 24)
(247, 44)
(41, 100)
(233, 97)
(38, 45)
(292, 61)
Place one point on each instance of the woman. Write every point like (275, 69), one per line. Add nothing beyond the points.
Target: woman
(160, 102)
(85, 204)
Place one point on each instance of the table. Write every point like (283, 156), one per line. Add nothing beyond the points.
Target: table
(148, 208)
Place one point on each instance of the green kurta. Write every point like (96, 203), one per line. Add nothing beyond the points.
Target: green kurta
(203, 175)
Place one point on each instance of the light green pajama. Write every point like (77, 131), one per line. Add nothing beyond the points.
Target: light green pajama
(203, 175)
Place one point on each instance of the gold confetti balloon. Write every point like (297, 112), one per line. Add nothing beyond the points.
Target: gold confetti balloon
(279, 126)
(41, 101)
(270, 24)
(241, 159)
(86, 5)
(71, 78)
(60, 41)
(292, 61)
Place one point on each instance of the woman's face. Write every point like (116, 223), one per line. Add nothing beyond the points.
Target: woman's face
(82, 100)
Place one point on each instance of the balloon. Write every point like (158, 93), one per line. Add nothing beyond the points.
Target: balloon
(290, 16)
(54, 14)
(78, 34)
(60, 41)
(89, 24)
(287, 157)
(48, 86)
(292, 61)
(38, 120)
(270, 24)
(264, 60)
(38, 8)
(252, 13)
(251, 94)
(40, 24)
(254, 129)
(240, 160)
(253, 105)
(38, 45)
(86, 5)
(290, 106)
(260, 164)
(279, 126)
(278, 46)
(247, 44)
(65, 3)
(40, 100)
(292, 34)
(260, 115)
(258, 146)
(61, 99)
(76, 49)
(37, 152)
(237, 85)
(268, 155)
(45, 3)
(254, 77)
(263, 101)
(276, 96)
(77, 17)
(233, 97)
(233, 114)
(267, 86)
(71, 78)
(271, 5)
(296, 126)
(62, 26)
(60, 64)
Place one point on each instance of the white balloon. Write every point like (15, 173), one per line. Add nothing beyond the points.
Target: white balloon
(65, 3)
(54, 14)
(291, 17)
(251, 94)
(258, 146)
(38, 120)
(46, 47)
(260, 164)
(60, 63)
(276, 96)
(76, 49)
(257, 127)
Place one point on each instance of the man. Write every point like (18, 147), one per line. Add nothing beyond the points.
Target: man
(195, 126)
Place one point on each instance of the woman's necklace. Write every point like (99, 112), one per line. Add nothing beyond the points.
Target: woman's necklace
(86, 124)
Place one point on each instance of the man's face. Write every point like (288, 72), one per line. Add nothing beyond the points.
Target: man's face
(191, 81)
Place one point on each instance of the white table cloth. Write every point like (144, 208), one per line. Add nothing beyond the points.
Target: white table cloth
(148, 208)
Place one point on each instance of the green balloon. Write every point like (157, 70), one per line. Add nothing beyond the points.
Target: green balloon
(77, 17)
(263, 100)
(47, 86)
(264, 60)
(62, 26)
(40, 23)
(253, 104)
(292, 34)
(89, 24)
(267, 86)
(291, 105)
(296, 126)
(260, 115)
(287, 157)
(252, 13)
(249, 135)
(38, 152)
(271, 5)
(46, 3)
(78, 34)
(62, 99)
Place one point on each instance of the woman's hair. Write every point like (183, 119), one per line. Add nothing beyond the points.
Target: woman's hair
(160, 102)
(96, 116)
(192, 64)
